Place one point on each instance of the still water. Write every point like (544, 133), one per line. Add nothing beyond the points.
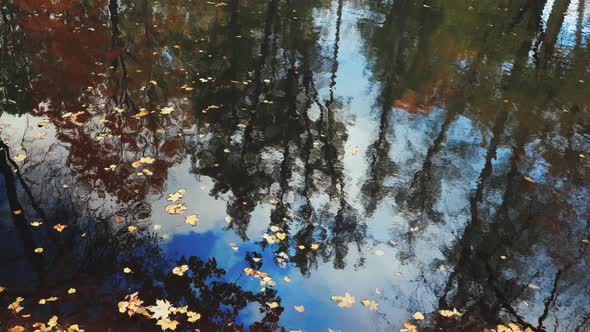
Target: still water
(295, 165)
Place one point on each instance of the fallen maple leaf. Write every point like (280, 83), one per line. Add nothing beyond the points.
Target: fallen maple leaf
(299, 308)
(167, 323)
(193, 316)
(59, 227)
(180, 270)
(450, 313)
(372, 305)
(191, 220)
(345, 301)
(176, 196)
(176, 208)
(161, 309)
(166, 110)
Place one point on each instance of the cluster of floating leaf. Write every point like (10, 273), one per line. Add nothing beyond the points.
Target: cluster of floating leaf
(180, 207)
(52, 324)
(166, 316)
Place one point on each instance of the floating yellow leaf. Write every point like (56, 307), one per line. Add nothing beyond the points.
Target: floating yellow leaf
(272, 305)
(529, 179)
(17, 212)
(418, 315)
(166, 110)
(71, 291)
(314, 246)
(36, 223)
(450, 313)
(176, 208)
(379, 252)
(372, 305)
(147, 160)
(180, 270)
(409, 327)
(131, 229)
(38, 250)
(167, 323)
(59, 227)
(174, 197)
(142, 112)
(192, 316)
(281, 236)
(161, 309)
(74, 328)
(191, 220)
(19, 157)
(345, 301)
(287, 279)
(127, 270)
(299, 308)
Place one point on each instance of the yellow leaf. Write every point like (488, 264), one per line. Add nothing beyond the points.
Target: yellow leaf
(176, 196)
(147, 160)
(299, 308)
(127, 270)
(450, 313)
(314, 246)
(191, 220)
(167, 323)
(176, 208)
(180, 270)
(38, 250)
(36, 223)
(345, 301)
(59, 227)
(272, 305)
(410, 327)
(71, 291)
(372, 305)
(287, 279)
(166, 110)
(19, 157)
(142, 112)
(192, 316)
(529, 179)
(418, 315)
(161, 309)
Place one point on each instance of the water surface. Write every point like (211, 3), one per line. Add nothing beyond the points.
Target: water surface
(257, 161)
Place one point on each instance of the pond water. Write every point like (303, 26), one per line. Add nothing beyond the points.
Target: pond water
(289, 165)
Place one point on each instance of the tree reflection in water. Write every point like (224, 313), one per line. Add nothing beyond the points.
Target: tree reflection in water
(460, 152)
